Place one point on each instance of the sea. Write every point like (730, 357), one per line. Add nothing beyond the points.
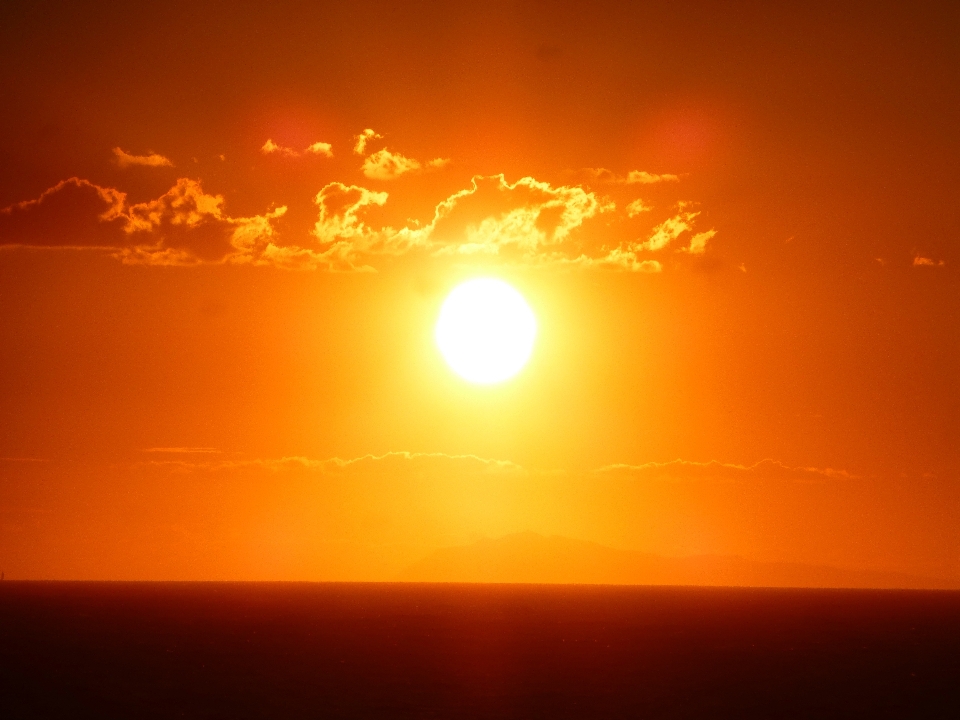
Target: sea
(406, 650)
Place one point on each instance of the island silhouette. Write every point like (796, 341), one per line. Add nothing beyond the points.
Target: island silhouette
(529, 557)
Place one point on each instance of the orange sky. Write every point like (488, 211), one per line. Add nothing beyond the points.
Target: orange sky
(737, 225)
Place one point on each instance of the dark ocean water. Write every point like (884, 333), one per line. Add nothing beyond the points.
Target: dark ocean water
(224, 650)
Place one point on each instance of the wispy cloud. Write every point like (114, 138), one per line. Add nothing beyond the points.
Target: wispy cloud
(386, 165)
(644, 178)
(527, 219)
(527, 222)
(317, 148)
(320, 148)
(633, 177)
(402, 460)
(636, 207)
(184, 226)
(74, 213)
(669, 230)
(630, 256)
(271, 148)
(767, 468)
(405, 460)
(125, 159)
(341, 229)
(361, 140)
(698, 243)
(619, 259)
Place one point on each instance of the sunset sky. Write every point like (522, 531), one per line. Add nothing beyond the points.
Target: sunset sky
(227, 230)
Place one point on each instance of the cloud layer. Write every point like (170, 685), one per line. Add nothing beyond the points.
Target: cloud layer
(184, 226)
(125, 159)
(525, 222)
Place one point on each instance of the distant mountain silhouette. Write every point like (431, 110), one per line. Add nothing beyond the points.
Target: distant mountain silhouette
(532, 558)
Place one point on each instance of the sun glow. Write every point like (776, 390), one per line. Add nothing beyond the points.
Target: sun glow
(486, 331)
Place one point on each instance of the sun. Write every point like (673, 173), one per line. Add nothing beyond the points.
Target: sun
(486, 331)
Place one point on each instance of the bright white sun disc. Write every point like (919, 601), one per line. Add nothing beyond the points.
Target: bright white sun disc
(485, 331)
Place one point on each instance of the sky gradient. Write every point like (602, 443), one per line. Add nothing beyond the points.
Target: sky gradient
(227, 229)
